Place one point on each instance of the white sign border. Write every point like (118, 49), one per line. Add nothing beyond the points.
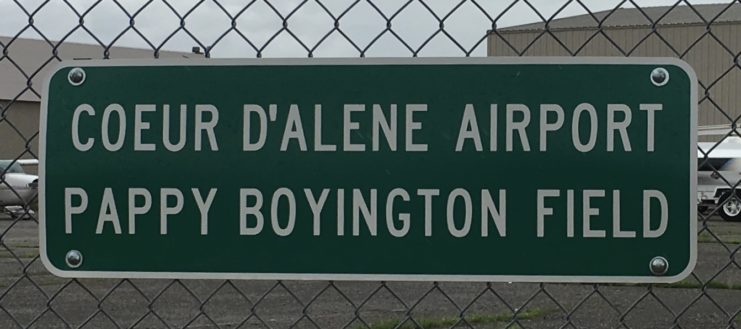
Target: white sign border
(375, 61)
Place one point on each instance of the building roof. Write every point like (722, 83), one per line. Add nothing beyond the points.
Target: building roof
(27, 56)
(645, 16)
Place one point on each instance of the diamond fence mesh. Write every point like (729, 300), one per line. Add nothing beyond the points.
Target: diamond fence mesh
(705, 35)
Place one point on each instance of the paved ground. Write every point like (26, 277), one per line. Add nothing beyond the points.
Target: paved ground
(29, 296)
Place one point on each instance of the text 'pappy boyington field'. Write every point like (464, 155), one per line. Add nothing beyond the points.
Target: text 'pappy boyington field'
(369, 211)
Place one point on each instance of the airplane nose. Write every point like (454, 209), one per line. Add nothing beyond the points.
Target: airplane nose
(34, 184)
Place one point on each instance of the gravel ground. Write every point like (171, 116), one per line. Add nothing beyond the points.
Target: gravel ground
(31, 297)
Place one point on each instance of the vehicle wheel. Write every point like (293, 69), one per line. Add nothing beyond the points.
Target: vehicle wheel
(730, 210)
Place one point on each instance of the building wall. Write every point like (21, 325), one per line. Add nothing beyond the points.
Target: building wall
(30, 59)
(710, 54)
(22, 71)
(19, 120)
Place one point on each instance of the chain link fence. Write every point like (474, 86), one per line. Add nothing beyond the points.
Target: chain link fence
(30, 297)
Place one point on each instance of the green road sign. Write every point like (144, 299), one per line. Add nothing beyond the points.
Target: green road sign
(516, 169)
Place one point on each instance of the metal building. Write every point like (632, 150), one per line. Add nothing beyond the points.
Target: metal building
(708, 37)
(24, 65)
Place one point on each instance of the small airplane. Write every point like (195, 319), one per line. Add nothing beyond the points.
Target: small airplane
(17, 188)
(718, 170)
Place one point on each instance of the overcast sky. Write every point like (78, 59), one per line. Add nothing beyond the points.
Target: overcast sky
(258, 23)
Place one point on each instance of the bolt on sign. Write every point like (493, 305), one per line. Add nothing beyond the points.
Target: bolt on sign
(516, 169)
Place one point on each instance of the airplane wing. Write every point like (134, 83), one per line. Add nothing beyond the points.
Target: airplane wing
(722, 156)
(28, 162)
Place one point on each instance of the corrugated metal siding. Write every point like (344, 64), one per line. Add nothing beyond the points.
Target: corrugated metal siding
(712, 56)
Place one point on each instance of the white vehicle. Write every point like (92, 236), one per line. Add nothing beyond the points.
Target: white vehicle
(17, 188)
(717, 174)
